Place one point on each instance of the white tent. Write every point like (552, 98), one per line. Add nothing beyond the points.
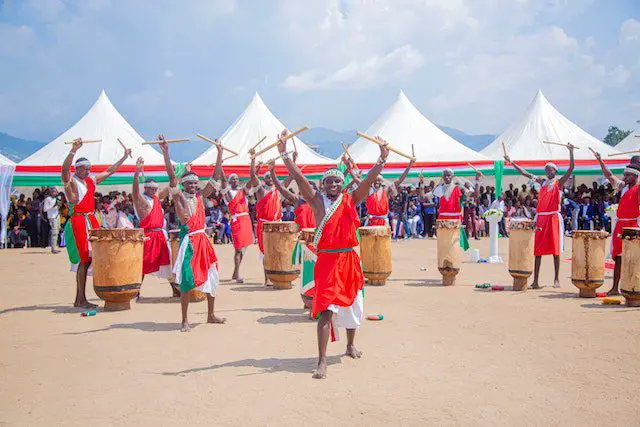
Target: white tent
(103, 122)
(523, 140)
(256, 122)
(7, 167)
(402, 125)
(630, 143)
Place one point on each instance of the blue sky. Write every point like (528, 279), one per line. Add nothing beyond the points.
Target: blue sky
(179, 67)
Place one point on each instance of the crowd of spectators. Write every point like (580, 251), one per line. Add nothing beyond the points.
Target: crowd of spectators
(37, 220)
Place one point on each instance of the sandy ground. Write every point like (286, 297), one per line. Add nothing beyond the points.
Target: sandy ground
(454, 356)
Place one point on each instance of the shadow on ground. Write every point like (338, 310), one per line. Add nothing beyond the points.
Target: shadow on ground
(140, 326)
(301, 365)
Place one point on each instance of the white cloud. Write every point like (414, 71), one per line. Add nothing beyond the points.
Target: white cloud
(620, 74)
(630, 31)
(392, 67)
(16, 40)
(168, 73)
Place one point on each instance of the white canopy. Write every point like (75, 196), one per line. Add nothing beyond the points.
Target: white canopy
(103, 122)
(542, 122)
(256, 122)
(631, 142)
(7, 167)
(402, 125)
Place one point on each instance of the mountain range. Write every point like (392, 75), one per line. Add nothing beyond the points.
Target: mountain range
(325, 141)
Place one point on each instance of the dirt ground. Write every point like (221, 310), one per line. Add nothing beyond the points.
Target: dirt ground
(453, 356)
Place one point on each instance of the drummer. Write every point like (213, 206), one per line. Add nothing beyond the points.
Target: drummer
(241, 227)
(148, 207)
(628, 213)
(80, 191)
(377, 202)
(196, 265)
(338, 299)
(451, 196)
(549, 223)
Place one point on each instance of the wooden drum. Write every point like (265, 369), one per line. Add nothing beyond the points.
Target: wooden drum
(279, 241)
(521, 238)
(630, 274)
(448, 249)
(174, 241)
(117, 265)
(306, 237)
(587, 261)
(375, 252)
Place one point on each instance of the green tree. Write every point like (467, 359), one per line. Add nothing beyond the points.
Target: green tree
(615, 135)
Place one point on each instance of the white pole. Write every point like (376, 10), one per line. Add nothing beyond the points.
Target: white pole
(494, 257)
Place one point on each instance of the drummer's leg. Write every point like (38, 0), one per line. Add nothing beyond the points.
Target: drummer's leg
(556, 266)
(81, 285)
(184, 303)
(237, 259)
(211, 315)
(352, 351)
(536, 273)
(616, 276)
(324, 330)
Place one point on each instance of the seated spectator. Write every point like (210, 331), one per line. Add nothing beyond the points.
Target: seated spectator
(585, 213)
(215, 222)
(414, 219)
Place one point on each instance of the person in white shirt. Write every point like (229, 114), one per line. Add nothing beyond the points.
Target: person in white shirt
(51, 208)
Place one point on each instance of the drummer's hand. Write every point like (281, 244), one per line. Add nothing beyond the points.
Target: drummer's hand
(77, 144)
(598, 155)
(139, 164)
(478, 175)
(163, 145)
(570, 146)
(507, 158)
(272, 167)
(384, 151)
(282, 142)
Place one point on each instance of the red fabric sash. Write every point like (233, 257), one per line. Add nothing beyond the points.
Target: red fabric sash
(451, 205)
(156, 251)
(304, 216)
(86, 206)
(269, 208)
(241, 227)
(203, 253)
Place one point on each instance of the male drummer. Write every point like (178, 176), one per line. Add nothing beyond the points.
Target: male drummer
(148, 207)
(549, 223)
(628, 213)
(196, 264)
(80, 192)
(338, 272)
(241, 227)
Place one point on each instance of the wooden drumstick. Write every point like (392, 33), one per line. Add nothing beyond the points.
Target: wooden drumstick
(289, 136)
(504, 150)
(216, 142)
(623, 153)
(88, 141)
(474, 168)
(168, 141)
(389, 147)
(125, 148)
(560, 144)
(259, 142)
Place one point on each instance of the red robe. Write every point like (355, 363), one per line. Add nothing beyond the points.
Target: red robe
(156, 251)
(269, 208)
(377, 208)
(628, 214)
(304, 216)
(204, 255)
(451, 208)
(547, 237)
(241, 227)
(83, 219)
(338, 275)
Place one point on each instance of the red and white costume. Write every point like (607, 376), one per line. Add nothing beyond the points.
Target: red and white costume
(157, 253)
(241, 227)
(269, 208)
(377, 208)
(304, 216)
(549, 226)
(628, 215)
(83, 218)
(450, 206)
(338, 273)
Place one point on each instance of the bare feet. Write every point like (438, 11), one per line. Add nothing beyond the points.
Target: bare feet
(215, 319)
(535, 285)
(268, 284)
(556, 284)
(238, 279)
(613, 292)
(321, 371)
(185, 327)
(85, 304)
(55, 251)
(353, 352)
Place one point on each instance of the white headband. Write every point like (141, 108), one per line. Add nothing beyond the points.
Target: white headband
(83, 163)
(448, 170)
(151, 184)
(189, 178)
(233, 175)
(552, 165)
(634, 171)
(333, 172)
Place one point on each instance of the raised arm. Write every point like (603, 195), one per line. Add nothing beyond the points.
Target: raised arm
(306, 190)
(563, 180)
(282, 189)
(66, 165)
(522, 171)
(362, 191)
(173, 179)
(404, 175)
(616, 182)
(210, 187)
(135, 194)
(254, 180)
(113, 168)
